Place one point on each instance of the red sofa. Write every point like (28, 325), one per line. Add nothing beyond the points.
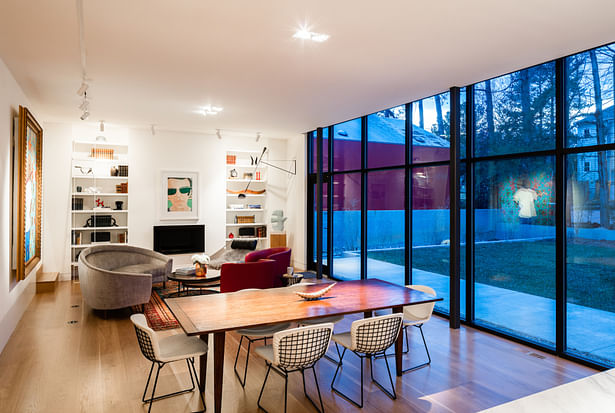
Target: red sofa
(261, 269)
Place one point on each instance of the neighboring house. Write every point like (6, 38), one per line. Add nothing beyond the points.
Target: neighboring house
(587, 163)
(386, 138)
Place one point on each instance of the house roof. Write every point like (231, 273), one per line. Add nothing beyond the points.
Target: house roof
(608, 114)
(388, 130)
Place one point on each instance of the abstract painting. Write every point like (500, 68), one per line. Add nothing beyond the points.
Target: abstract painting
(179, 195)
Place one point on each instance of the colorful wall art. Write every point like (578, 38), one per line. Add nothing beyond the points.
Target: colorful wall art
(179, 195)
(29, 151)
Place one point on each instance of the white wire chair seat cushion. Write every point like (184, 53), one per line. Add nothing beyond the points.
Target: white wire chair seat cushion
(371, 335)
(297, 348)
(167, 349)
(266, 330)
(320, 320)
(418, 313)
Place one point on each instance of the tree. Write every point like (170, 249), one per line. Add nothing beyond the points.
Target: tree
(421, 118)
(439, 115)
(489, 108)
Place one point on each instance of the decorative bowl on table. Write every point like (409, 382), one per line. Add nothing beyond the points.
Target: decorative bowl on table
(316, 294)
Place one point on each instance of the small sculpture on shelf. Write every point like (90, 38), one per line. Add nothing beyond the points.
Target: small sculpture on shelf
(100, 203)
(200, 261)
(278, 219)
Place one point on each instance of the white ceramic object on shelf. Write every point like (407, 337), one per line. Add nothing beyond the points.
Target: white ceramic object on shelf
(316, 294)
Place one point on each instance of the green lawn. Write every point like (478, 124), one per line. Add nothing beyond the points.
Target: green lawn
(529, 266)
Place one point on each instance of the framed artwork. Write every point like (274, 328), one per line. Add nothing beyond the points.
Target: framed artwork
(29, 161)
(179, 196)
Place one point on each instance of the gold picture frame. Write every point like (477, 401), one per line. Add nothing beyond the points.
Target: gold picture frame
(29, 165)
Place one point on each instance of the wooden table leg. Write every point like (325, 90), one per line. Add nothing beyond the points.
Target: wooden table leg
(399, 344)
(218, 370)
(203, 365)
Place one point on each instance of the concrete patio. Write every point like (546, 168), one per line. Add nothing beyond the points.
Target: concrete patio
(590, 331)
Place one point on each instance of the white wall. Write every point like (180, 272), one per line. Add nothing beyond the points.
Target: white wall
(296, 202)
(13, 299)
(168, 150)
(56, 188)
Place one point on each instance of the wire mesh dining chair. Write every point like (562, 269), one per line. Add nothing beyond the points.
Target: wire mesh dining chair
(252, 335)
(166, 350)
(367, 338)
(296, 349)
(416, 316)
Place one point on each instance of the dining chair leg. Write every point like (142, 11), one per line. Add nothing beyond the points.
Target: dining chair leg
(159, 366)
(322, 407)
(197, 384)
(190, 372)
(245, 370)
(428, 362)
(285, 391)
(392, 395)
(149, 376)
(258, 403)
(151, 400)
(360, 405)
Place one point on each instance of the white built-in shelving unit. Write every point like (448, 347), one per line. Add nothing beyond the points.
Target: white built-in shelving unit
(94, 179)
(253, 205)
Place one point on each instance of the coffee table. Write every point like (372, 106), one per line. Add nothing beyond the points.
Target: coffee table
(184, 282)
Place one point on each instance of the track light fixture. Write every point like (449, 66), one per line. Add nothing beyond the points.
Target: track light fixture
(84, 107)
(153, 129)
(101, 126)
(82, 89)
(218, 134)
(258, 136)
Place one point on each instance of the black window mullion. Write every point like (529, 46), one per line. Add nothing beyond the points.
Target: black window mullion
(329, 181)
(319, 196)
(469, 273)
(363, 254)
(560, 197)
(454, 291)
(408, 198)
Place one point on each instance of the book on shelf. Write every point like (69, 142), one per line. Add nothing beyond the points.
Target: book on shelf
(261, 231)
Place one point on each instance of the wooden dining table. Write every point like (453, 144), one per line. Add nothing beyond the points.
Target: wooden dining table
(219, 313)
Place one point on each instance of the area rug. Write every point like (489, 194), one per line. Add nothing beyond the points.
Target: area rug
(158, 315)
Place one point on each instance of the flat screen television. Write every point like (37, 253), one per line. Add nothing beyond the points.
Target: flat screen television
(179, 239)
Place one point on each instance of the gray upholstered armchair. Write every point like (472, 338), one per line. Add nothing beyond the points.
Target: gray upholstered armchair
(118, 276)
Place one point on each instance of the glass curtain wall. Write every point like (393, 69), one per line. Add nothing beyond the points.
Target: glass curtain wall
(430, 202)
(386, 236)
(590, 205)
(519, 172)
(514, 204)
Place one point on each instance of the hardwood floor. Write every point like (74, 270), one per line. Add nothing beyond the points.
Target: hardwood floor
(94, 365)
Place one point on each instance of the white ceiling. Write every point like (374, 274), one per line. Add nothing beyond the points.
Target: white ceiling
(158, 61)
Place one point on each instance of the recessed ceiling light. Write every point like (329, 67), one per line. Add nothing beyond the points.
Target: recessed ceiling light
(305, 34)
(211, 110)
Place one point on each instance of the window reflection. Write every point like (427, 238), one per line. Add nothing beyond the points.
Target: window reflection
(515, 246)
